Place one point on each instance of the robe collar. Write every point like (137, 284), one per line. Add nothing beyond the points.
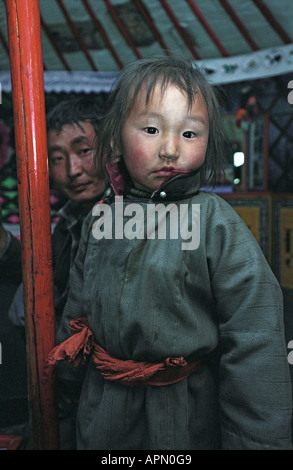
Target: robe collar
(179, 185)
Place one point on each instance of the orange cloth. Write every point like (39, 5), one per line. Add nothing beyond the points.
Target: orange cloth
(82, 344)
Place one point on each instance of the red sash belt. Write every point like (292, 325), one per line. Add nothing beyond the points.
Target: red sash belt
(82, 344)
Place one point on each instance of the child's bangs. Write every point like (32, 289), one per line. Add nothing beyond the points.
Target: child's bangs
(146, 83)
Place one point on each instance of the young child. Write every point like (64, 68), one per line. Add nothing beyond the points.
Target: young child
(183, 339)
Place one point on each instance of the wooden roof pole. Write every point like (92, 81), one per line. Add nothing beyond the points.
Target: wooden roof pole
(25, 49)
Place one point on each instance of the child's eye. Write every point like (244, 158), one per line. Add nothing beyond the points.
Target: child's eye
(189, 134)
(151, 130)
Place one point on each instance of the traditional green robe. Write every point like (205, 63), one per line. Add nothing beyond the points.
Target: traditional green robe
(147, 299)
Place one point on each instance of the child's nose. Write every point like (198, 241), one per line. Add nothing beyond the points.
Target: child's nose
(170, 148)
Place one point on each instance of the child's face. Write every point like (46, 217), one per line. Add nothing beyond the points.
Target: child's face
(166, 135)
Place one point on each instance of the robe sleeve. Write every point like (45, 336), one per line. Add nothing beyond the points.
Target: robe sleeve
(74, 308)
(255, 392)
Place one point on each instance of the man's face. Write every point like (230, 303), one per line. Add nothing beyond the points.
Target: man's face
(71, 162)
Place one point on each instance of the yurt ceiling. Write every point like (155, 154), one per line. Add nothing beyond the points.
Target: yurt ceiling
(85, 42)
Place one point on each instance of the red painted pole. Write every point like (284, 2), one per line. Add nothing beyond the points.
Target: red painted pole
(25, 49)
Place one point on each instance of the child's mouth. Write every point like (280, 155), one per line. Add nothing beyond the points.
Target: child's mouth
(164, 172)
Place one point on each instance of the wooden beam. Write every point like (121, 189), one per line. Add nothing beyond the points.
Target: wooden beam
(25, 49)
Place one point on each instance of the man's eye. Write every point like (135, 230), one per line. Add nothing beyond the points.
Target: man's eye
(189, 134)
(56, 159)
(85, 151)
(151, 130)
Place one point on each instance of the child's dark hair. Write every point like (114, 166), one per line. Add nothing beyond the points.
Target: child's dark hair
(145, 74)
(73, 111)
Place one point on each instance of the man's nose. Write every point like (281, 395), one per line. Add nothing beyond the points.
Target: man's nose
(74, 165)
(170, 148)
